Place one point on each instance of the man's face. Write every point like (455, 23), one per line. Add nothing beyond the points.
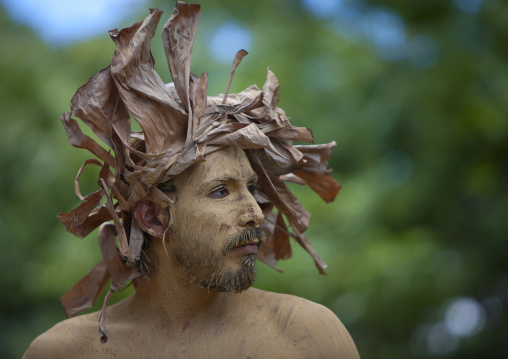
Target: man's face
(214, 225)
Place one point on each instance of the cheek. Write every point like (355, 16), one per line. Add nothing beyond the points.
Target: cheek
(224, 228)
(202, 218)
(196, 218)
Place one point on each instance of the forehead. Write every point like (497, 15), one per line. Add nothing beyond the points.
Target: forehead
(229, 162)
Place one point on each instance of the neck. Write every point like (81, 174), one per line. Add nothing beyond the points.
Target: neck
(169, 296)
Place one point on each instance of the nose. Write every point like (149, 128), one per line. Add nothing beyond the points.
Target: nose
(251, 215)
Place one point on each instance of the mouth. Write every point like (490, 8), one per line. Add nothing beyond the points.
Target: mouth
(246, 248)
(248, 242)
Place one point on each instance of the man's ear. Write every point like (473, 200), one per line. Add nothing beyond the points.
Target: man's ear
(151, 217)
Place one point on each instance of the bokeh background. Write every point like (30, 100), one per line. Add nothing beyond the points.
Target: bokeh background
(414, 92)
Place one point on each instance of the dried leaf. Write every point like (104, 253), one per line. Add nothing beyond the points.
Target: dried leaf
(159, 197)
(248, 137)
(266, 253)
(324, 185)
(236, 62)
(75, 219)
(280, 195)
(136, 239)
(76, 181)
(84, 293)
(178, 48)
(102, 317)
(315, 172)
(304, 242)
(281, 244)
(120, 230)
(292, 178)
(267, 256)
(84, 104)
(80, 140)
(94, 220)
(163, 122)
(271, 93)
(120, 272)
(98, 105)
(292, 133)
(200, 101)
(286, 157)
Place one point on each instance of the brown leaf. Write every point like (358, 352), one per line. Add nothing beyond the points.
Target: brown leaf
(120, 230)
(267, 256)
(280, 195)
(88, 102)
(289, 160)
(304, 242)
(98, 105)
(248, 137)
(292, 178)
(136, 240)
(84, 293)
(292, 133)
(245, 101)
(286, 157)
(315, 172)
(159, 197)
(281, 244)
(266, 253)
(200, 101)
(271, 93)
(221, 130)
(94, 220)
(120, 272)
(320, 153)
(75, 219)
(76, 180)
(178, 37)
(324, 185)
(236, 62)
(124, 205)
(80, 140)
(163, 122)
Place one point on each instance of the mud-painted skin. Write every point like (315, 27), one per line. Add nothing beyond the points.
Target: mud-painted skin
(214, 203)
(171, 316)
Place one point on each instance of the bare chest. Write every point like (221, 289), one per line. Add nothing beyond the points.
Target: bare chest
(240, 341)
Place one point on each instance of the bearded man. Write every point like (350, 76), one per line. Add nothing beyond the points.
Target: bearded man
(194, 199)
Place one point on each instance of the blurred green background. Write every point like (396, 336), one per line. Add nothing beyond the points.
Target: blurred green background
(414, 92)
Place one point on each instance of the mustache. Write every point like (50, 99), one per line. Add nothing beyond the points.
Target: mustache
(248, 236)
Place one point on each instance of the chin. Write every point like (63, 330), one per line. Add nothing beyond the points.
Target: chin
(232, 280)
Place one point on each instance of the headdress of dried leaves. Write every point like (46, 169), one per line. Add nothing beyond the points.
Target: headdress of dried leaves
(180, 125)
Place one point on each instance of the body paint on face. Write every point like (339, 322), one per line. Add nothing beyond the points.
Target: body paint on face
(214, 226)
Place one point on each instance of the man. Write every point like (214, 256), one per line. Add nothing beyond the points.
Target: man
(191, 202)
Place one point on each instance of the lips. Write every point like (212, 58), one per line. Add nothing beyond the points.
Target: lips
(248, 248)
(247, 242)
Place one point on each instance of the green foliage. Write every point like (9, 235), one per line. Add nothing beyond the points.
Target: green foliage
(421, 156)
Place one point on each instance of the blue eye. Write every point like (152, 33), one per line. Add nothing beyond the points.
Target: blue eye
(219, 192)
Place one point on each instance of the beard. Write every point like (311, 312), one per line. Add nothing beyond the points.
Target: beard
(205, 264)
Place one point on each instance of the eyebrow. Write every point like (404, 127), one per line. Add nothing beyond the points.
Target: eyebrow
(224, 179)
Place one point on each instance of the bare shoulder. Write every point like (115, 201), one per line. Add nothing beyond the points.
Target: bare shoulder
(313, 330)
(72, 338)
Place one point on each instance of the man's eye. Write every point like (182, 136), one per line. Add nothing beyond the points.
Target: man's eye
(252, 188)
(219, 192)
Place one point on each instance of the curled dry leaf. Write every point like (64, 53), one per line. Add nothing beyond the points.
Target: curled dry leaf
(85, 292)
(116, 267)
